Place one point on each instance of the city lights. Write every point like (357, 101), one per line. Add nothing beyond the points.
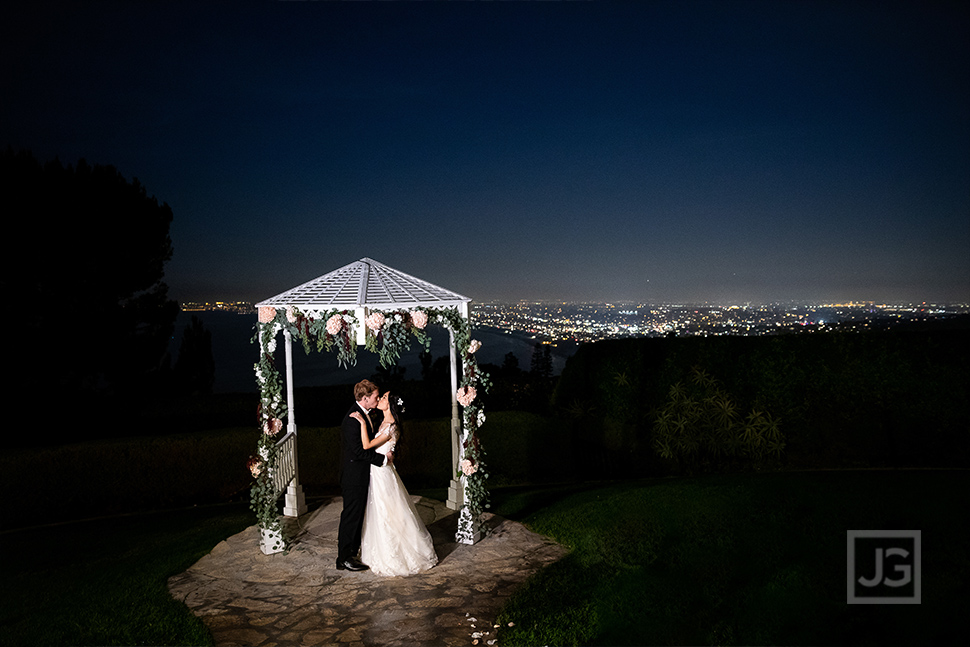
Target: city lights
(555, 322)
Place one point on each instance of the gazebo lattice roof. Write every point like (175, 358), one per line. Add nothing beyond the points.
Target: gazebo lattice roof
(365, 283)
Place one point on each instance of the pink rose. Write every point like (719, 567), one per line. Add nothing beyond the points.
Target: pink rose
(335, 324)
(465, 395)
(272, 426)
(255, 466)
(419, 319)
(474, 346)
(375, 322)
(267, 314)
(468, 467)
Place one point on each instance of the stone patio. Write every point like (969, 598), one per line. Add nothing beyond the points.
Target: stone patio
(300, 598)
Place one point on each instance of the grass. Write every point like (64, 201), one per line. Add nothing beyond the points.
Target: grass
(123, 475)
(103, 582)
(745, 559)
(120, 475)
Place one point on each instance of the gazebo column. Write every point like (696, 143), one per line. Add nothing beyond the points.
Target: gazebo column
(456, 490)
(361, 331)
(294, 503)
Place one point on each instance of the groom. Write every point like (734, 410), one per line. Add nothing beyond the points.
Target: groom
(355, 462)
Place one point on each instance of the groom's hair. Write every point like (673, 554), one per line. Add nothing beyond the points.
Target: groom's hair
(363, 388)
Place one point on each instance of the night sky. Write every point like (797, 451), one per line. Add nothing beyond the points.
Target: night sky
(664, 152)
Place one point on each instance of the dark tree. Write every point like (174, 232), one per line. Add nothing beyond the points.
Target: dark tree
(84, 278)
(440, 371)
(387, 378)
(195, 369)
(425, 358)
(510, 366)
(541, 361)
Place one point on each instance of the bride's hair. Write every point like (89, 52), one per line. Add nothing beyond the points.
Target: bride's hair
(395, 409)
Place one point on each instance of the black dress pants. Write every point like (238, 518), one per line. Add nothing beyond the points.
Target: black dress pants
(351, 523)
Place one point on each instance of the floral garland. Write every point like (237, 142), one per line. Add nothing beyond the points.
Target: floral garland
(270, 411)
(388, 334)
(471, 468)
(331, 331)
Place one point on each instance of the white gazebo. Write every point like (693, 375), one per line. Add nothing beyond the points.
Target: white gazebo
(362, 287)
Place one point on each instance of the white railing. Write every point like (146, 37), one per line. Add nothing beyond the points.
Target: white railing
(285, 462)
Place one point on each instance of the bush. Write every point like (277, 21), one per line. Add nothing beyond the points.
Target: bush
(701, 429)
(881, 399)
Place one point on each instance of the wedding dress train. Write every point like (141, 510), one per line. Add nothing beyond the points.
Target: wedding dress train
(395, 540)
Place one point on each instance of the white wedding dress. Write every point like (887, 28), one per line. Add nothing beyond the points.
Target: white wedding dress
(395, 540)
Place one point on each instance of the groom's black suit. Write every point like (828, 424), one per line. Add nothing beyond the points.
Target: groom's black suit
(355, 464)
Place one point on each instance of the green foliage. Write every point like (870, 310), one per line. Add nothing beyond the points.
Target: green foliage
(473, 455)
(394, 338)
(263, 498)
(700, 426)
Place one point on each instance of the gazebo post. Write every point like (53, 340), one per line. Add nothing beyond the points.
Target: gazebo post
(361, 313)
(456, 490)
(294, 503)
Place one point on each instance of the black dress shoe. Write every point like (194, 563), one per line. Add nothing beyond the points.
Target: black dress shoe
(351, 564)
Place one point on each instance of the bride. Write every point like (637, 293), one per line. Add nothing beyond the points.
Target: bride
(395, 540)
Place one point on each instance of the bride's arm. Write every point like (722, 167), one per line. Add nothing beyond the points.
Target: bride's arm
(364, 440)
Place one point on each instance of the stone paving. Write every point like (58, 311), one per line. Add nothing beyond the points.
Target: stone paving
(299, 598)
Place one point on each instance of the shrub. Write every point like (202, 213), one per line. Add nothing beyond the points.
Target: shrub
(701, 428)
(880, 399)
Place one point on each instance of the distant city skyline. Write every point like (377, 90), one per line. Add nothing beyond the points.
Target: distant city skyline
(241, 305)
(517, 328)
(659, 151)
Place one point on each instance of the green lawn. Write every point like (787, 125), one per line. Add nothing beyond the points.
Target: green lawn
(747, 559)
